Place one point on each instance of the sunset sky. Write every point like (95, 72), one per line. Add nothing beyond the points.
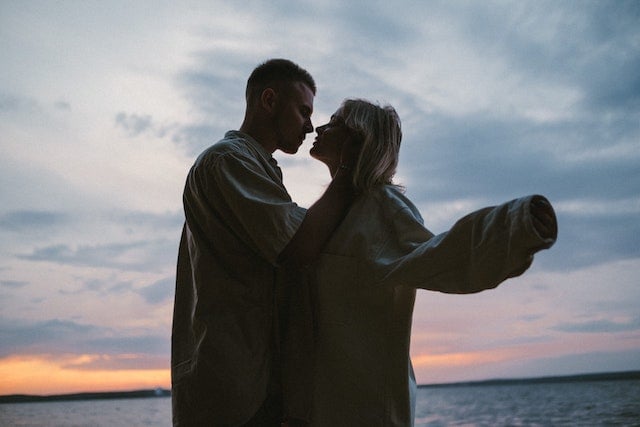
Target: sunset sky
(105, 104)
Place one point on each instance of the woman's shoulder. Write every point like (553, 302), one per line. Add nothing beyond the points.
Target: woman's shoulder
(394, 201)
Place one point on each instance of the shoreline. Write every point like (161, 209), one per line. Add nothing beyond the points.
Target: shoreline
(161, 392)
(105, 395)
(601, 376)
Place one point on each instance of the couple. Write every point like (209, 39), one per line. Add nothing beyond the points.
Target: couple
(248, 254)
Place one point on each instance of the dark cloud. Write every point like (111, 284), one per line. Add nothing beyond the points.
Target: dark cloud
(575, 363)
(133, 124)
(159, 291)
(13, 283)
(147, 344)
(461, 156)
(148, 255)
(195, 138)
(63, 337)
(24, 337)
(29, 219)
(609, 55)
(63, 106)
(104, 286)
(161, 232)
(212, 88)
(593, 240)
(586, 156)
(600, 326)
(15, 103)
(490, 160)
(214, 85)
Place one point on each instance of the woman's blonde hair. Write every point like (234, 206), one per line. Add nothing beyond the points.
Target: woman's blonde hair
(380, 132)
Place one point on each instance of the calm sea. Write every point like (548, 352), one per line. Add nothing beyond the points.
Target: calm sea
(597, 403)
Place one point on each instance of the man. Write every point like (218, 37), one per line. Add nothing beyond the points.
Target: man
(240, 225)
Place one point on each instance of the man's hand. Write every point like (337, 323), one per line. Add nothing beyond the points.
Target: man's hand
(544, 218)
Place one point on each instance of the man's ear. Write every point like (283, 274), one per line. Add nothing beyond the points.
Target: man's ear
(268, 99)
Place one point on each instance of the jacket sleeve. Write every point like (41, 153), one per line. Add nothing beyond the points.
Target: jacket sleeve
(479, 252)
(235, 190)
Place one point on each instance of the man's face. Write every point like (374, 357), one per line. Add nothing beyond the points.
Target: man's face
(293, 117)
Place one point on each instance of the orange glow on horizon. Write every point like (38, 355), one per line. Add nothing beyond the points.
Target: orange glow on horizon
(39, 375)
(458, 359)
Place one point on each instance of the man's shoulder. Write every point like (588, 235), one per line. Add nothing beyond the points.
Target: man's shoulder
(233, 142)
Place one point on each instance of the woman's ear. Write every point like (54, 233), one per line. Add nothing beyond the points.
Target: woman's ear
(268, 99)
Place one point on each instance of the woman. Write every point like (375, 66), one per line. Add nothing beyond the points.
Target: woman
(364, 283)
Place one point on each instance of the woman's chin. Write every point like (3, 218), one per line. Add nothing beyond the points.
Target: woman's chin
(320, 159)
(313, 153)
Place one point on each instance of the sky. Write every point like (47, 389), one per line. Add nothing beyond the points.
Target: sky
(104, 106)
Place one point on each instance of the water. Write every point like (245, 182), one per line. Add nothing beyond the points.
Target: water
(597, 403)
(138, 412)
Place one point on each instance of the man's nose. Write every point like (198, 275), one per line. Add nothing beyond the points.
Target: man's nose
(308, 127)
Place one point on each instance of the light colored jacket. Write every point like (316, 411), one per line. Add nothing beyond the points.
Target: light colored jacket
(238, 218)
(363, 291)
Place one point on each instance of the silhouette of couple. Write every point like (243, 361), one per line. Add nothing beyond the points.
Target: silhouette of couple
(293, 316)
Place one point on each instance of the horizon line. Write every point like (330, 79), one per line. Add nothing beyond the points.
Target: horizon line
(164, 392)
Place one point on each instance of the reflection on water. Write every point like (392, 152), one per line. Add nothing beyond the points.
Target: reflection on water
(577, 403)
(553, 404)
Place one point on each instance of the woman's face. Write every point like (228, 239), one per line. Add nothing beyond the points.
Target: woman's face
(328, 144)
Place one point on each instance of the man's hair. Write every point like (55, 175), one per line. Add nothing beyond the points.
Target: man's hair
(276, 74)
(380, 131)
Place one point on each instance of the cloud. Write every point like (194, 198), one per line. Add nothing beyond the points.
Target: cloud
(127, 361)
(582, 244)
(600, 326)
(158, 292)
(124, 234)
(145, 344)
(23, 337)
(592, 49)
(497, 100)
(577, 363)
(28, 219)
(164, 221)
(63, 106)
(146, 255)
(133, 124)
(60, 337)
(23, 108)
(195, 138)
(11, 103)
(104, 287)
(211, 88)
(13, 283)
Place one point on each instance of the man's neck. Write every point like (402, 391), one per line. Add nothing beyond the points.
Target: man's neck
(260, 135)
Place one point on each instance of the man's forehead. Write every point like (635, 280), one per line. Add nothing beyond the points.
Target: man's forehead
(302, 90)
(302, 94)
